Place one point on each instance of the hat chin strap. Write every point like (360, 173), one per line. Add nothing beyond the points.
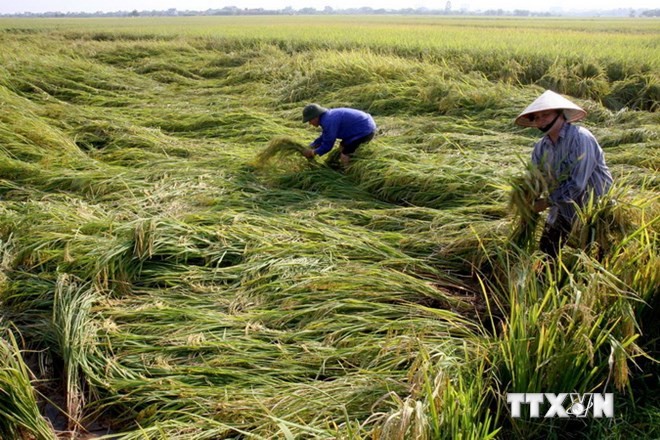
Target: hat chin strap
(545, 128)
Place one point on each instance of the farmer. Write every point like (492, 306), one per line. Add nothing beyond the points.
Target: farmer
(353, 127)
(571, 162)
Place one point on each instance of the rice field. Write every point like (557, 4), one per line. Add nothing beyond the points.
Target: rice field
(172, 268)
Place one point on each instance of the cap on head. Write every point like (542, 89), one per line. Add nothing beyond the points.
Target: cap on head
(550, 100)
(311, 111)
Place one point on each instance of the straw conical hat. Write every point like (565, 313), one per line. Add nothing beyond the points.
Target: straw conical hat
(550, 100)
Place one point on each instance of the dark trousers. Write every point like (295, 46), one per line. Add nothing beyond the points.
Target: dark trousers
(350, 148)
(554, 236)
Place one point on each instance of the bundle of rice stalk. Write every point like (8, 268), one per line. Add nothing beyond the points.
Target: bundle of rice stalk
(281, 148)
(603, 223)
(525, 190)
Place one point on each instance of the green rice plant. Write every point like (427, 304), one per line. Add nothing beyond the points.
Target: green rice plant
(591, 81)
(601, 223)
(279, 149)
(493, 66)
(398, 180)
(249, 126)
(67, 77)
(448, 399)
(98, 135)
(14, 170)
(197, 428)
(19, 413)
(359, 72)
(630, 136)
(619, 426)
(74, 335)
(638, 92)
(620, 70)
(470, 95)
(635, 260)
(582, 79)
(162, 68)
(204, 297)
(25, 135)
(620, 230)
(565, 329)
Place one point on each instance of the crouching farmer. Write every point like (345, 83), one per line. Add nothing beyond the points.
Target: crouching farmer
(353, 127)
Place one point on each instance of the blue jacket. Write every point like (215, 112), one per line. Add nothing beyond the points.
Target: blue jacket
(346, 124)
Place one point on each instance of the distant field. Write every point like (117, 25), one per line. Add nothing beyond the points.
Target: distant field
(621, 39)
(159, 281)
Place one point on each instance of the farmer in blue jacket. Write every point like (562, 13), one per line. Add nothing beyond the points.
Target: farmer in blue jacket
(353, 127)
(571, 161)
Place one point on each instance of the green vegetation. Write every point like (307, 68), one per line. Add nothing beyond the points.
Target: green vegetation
(172, 268)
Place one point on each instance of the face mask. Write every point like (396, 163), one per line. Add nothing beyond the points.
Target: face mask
(545, 128)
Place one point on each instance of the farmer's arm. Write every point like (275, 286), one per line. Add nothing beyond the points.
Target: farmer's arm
(327, 139)
(310, 153)
(316, 142)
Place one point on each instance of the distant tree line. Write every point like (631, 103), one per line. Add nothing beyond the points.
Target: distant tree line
(650, 13)
(328, 10)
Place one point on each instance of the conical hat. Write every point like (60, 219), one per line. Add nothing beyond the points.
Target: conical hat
(550, 100)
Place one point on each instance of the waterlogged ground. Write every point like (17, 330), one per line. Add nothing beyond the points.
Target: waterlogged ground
(164, 284)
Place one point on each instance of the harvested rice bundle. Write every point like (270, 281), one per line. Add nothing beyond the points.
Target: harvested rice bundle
(280, 148)
(603, 223)
(525, 189)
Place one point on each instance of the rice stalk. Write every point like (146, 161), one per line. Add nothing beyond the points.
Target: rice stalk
(74, 336)
(179, 428)
(602, 222)
(559, 328)
(19, 414)
(448, 386)
(400, 177)
(309, 303)
(279, 149)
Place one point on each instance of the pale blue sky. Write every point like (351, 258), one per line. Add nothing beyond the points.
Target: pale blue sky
(9, 6)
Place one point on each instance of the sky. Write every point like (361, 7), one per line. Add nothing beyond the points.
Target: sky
(10, 7)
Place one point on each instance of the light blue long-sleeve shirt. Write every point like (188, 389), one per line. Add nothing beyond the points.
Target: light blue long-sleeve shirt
(346, 124)
(573, 168)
